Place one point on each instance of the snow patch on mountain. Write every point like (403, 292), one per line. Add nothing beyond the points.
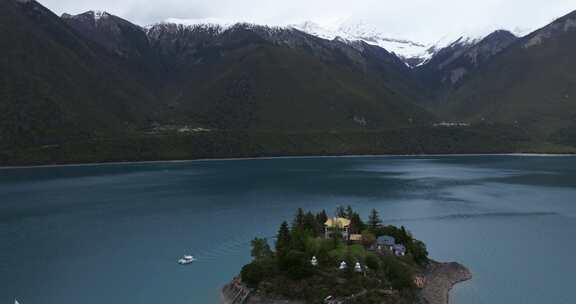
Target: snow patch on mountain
(96, 15)
(361, 31)
(99, 15)
(467, 38)
(211, 22)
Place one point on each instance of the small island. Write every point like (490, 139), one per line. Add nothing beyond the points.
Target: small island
(342, 259)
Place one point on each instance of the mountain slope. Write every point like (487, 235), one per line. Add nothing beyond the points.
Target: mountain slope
(263, 78)
(270, 87)
(54, 85)
(452, 64)
(258, 77)
(532, 84)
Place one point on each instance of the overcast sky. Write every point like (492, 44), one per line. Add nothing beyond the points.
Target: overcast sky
(419, 20)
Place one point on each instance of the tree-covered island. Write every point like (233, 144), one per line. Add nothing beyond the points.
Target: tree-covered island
(342, 259)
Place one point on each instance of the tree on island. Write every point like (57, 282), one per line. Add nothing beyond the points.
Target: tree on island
(288, 271)
(374, 220)
(310, 224)
(322, 217)
(349, 212)
(283, 241)
(299, 218)
(340, 212)
(260, 249)
(356, 223)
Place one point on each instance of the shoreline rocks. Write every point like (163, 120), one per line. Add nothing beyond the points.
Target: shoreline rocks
(237, 293)
(440, 279)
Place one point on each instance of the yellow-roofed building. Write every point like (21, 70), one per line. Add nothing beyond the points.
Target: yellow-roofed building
(337, 225)
(356, 238)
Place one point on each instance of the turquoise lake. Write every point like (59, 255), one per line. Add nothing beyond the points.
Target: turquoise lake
(112, 233)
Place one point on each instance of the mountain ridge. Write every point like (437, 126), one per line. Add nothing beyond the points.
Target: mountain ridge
(99, 86)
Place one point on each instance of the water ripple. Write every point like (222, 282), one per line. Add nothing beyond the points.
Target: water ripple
(460, 216)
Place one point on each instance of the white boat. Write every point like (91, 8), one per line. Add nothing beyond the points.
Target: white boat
(16, 301)
(187, 259)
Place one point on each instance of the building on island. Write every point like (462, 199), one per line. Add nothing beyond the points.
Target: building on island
(356, 238)
(385, 242)
(337, 225)
(399, 250)
(388, 243)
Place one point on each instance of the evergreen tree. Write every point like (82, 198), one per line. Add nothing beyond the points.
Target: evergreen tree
(322, 217)
(340, 212)
(374, 220)
(349, 212)
(356, 223)
(310, 225)
(283, 241)
(298, 219)
(260, 249)
(405, 237)
(419, 252)
(298, 238)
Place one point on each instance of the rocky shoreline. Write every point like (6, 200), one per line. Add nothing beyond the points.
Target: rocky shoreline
(237, 293)
(439, 279)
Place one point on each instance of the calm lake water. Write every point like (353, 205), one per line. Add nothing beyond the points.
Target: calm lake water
(113, 233)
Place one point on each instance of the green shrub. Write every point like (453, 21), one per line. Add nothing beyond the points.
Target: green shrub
(260, 249)
(373, 261)
(297, 265)
(400, 276)
(252, 274)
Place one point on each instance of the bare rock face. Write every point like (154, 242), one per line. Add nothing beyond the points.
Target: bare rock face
(564, 24)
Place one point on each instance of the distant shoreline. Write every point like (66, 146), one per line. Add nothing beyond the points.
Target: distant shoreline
(284, 157)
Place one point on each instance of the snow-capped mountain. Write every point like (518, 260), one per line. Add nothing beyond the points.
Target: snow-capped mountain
(454, 61)
(347, 31)
(216, 23)
(361, 31)
(412, 53)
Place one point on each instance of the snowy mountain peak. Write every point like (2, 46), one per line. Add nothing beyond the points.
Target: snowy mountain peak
(470, 37)
(367, 32)
(362, 31)
(315, 29)
(94, 15)
(214, 25)
(204, 22)
(412, 53)
(99, 15)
